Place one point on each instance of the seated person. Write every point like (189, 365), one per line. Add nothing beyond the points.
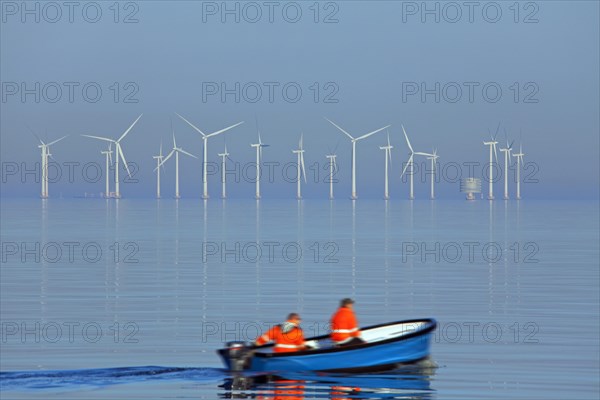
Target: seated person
(288, 336)
(344, 326)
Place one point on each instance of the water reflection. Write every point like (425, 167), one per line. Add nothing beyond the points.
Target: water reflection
(44, 269)
(409, 382)
(353, 248)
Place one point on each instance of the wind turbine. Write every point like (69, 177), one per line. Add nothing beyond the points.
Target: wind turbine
(223, 156)
(388, 156)
(259, 146)
(519, 157)
(108, 156)
(300, 166)
(507, 156)
(159, 158)
(433, 157)
(205, 155)
(492, 143)
(45, 155)
(119, 154)
(332, 169)
(410, 163)
(354, 140)
(176, 150)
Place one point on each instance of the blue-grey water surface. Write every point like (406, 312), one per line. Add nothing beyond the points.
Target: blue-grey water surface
(130, 298)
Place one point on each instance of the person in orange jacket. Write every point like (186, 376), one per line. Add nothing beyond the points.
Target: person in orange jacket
(344, 326)
(287, 336)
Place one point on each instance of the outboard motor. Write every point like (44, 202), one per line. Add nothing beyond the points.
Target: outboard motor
(239, 356)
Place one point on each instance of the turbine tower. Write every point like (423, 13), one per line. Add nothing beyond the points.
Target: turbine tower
(388, 157)
(159, 158)
(205, 153)
(223, 156)
(410, 163)
(108, 156)
(45, 155)
(354, 140)
(519, 157)
(492, 143)
(259, 146)
(176, 150)
(507, 155)
(433, 157)
(300, 167)
(332, 169)
(119, 154)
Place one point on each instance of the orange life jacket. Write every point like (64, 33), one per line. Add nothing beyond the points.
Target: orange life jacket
(344, 325)
(292, 340)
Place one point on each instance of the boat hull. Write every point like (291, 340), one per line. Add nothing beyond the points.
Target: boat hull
(372, 356)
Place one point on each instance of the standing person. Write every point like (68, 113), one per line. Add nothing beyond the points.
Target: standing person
(288, 336)
(344, 326)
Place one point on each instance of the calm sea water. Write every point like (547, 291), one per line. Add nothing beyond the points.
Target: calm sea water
(130, 298)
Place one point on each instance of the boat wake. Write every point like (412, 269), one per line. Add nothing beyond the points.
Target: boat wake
(76, 379)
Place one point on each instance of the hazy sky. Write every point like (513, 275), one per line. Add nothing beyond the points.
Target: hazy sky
(364, 64)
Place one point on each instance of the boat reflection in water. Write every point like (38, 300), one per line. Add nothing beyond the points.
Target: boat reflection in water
(407, 382)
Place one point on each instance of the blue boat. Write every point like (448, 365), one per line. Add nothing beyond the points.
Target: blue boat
(386, 347)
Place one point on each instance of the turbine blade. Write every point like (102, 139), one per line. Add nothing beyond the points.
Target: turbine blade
(57, 140)
(34, 134)
(100, 138)
(407, 164)
(520, 136)
(495, 153)
(407, 141)
(334, 124)
(497, 130)
(167, 157)
(187, 154)
(192, 125)
(129, 129)
(336, 147)
(302, 165)
(124, 160)
(372, 133)
(224, 130)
